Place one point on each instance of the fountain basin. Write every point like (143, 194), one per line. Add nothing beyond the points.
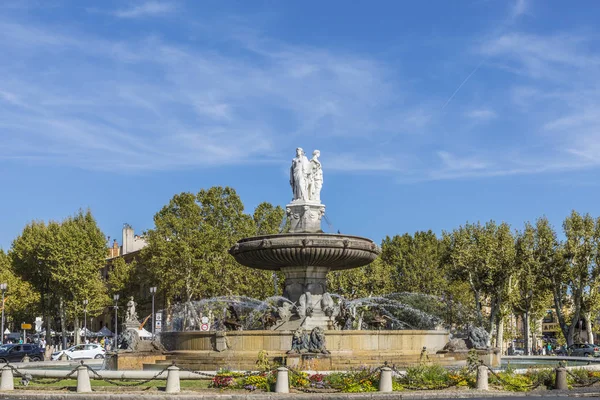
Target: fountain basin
(199, 350)
(331, 251)
(305, 259)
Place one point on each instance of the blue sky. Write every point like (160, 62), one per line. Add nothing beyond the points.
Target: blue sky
(427, 114)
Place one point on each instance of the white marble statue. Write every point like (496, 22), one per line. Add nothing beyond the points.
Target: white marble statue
(315, 181)
(299, 175)
(131, 315)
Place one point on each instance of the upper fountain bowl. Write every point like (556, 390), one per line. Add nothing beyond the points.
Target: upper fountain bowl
(332, 251)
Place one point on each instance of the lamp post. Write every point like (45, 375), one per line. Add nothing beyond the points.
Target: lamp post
(3, 287)
(85, 304)
(116, 299)
(153, 292)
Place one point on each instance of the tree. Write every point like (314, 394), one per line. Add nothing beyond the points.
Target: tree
(121, 276)
(577, 272)
(374, 279)
(21, 300)
(529, 297)
(63, 261)
(417, 261)
(483, 256)
(31, 257)
(187, 252)
(267, 219)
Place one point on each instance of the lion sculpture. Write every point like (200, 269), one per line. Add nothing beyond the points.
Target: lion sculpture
(300, 342)
(317, 341)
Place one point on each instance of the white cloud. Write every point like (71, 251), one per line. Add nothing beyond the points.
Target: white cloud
(452, 162)
(173, 106)
(482, 114)
(519, 8)
(146, 9)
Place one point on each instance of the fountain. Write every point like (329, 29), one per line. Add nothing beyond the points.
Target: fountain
(308, 327)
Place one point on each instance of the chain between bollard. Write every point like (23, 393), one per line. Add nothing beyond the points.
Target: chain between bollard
(582, 383)
(41, 381)
(124, 383)
(514, 385)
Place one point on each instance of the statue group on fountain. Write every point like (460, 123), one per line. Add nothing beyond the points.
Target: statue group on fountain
(306, 177)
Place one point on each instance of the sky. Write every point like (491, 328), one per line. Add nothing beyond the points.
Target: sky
(428, 114)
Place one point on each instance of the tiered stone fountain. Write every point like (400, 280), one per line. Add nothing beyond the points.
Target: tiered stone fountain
(305, 255)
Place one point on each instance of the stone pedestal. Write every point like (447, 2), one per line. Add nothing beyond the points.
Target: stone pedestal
(305, 216)
(304, 279)
(309, 361)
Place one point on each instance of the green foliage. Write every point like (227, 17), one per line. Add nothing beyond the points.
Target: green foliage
(357, 380)
(512, 382)
(62, 261)
(187, 250)
(121, 275)
(371, 280)
(298, 379)
(416, 261)
(544, 376)
(262, 362)
(473, 359)
(424, 376)
(254, 382)
(267, 219)
(21, 298)
(484, 257)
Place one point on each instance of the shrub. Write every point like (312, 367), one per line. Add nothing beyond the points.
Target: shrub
(358, 380)
(254, 382)
(427, 377)
(512, 382)
(298, 379)
(544, 377)
(222, 382)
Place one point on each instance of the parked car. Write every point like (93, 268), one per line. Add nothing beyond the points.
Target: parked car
(583, 350)
(518, 351)
(16, 352)
(81, 351)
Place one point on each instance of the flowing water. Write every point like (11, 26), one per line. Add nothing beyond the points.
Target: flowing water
(394, 311)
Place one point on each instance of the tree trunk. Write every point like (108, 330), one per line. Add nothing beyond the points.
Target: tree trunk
(76, 331)
(588, 327)
(63, 322)
(526, 334)
(500, 335)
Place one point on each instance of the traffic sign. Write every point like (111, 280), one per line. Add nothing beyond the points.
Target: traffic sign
(204, 327)
(25, 326)
(158, 316)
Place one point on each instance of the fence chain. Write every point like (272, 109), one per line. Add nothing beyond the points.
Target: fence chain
(205, 374)
(582, 382)
(125, 383)
(26, 378)
(532, 386)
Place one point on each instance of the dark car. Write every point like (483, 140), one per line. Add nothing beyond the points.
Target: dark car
(583, 350)
(16, 352)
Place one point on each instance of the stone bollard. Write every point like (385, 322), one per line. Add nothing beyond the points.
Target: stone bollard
(173, 385)
(83, 379)
(561, 379)
(282, 385)
(482, 378)
(26, 359)
(7, 381)
(385, 380)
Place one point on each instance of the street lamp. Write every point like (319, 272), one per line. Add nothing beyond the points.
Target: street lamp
(116, 299)
(85, 304)
(3, 287)
(153, 292)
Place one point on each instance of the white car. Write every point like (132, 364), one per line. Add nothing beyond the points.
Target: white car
(81, 351)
